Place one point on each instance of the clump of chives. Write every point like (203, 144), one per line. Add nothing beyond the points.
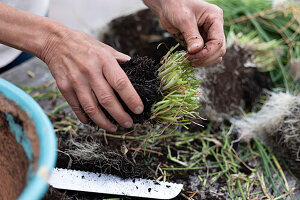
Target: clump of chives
(178, 89)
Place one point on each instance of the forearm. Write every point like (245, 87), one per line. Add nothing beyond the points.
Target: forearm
(25, 31)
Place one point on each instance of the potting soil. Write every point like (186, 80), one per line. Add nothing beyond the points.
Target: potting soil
(13, 163)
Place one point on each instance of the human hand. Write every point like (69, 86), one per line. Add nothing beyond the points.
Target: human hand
(87, 72)
(198, 23)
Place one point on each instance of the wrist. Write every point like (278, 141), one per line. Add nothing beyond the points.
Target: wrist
(55, 34)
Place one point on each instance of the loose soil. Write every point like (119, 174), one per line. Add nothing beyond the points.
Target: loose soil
(13, 163)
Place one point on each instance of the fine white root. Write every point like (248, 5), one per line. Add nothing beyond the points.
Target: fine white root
(277, 125)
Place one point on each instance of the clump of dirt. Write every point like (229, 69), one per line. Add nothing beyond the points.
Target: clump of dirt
(13, 163)
(139, 34)
(142, 73)
(230, 86)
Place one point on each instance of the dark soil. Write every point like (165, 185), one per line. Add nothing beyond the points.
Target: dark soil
(142, 72)
(230, 86)
(139, 34)
(13, 163)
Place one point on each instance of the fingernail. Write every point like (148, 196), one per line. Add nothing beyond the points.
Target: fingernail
(127, 124)
(138, 110)
(113, 129)
(194, 45)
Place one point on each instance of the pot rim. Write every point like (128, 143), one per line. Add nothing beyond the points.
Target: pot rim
(37, 186)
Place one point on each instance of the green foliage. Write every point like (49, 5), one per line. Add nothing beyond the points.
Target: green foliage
(178, 88)
(280, 24)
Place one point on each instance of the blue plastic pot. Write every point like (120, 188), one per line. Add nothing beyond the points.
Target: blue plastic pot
(37, 179)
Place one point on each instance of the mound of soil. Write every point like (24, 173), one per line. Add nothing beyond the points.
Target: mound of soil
(13, 163)
(139, 34)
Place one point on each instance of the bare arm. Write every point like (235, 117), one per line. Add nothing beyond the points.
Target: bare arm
(23, 30)
(86, 70)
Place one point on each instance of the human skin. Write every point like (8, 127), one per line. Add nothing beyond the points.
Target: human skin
(198, 23)
(87, 71)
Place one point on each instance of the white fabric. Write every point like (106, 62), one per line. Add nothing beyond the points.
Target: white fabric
(38, 7)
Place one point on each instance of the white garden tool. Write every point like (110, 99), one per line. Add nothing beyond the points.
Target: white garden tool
(110, 184)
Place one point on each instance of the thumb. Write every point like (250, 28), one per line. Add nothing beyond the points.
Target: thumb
(192, 36)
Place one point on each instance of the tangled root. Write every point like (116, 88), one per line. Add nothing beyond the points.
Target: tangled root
(277, 125)
(89, 154)
(230, 86)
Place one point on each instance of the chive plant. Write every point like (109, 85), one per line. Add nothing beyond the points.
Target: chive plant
(168, 90)
(178, 88)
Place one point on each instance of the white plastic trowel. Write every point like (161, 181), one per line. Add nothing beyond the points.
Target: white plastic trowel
(110, 184)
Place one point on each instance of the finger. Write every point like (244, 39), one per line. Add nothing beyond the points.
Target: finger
(90, 106)
(121, 57)
(213, 61)
(215, 31)
(72, 100)
(216, 58)
(118, 80)
(109, 101)
(190, 32)
(215, 41)
(208, 61)
(211, 51)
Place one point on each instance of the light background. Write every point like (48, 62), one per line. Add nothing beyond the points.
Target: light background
(90, 15)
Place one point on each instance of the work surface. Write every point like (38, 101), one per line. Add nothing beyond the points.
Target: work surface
(20, 74)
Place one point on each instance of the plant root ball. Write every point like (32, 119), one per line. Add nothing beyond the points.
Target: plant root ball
(143, 75)
(277, 125)
(230, 86)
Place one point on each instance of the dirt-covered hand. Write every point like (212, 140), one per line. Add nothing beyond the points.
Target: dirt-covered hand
(87, 72)
(198, 23)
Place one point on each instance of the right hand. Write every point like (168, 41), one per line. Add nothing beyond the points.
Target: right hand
(198, 23)
(87, 72)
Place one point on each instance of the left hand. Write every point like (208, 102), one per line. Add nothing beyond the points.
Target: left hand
(198, 23)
